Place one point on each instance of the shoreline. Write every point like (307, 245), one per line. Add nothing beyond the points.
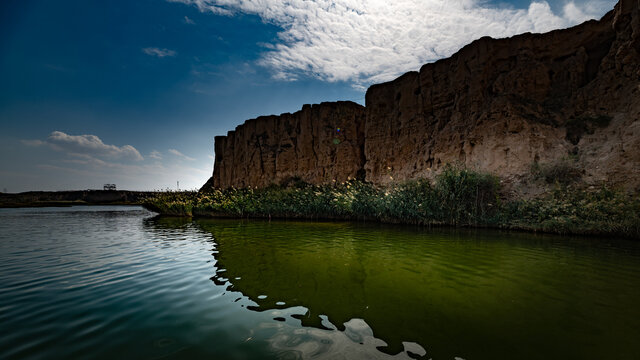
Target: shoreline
(458, 198)
(63, 204)
(514, 228)
(32, 199)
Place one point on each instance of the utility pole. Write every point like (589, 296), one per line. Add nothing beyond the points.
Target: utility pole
(178, 185)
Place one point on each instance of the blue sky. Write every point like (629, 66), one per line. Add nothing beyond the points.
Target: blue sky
(133, 92)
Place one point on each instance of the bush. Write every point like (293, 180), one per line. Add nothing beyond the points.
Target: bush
(564, 171)
(571, 211)
(459, 197)
(465, 196)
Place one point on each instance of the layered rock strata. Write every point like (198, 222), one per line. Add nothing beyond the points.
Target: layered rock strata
(503, 105)
(318, 144)
(499, 106)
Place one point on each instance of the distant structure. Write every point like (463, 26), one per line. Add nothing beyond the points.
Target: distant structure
(109, 186)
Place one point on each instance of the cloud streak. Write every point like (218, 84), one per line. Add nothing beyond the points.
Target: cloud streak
(180, 155)
(153, 51)
(86, 146)
(367, 41)
(155, 155)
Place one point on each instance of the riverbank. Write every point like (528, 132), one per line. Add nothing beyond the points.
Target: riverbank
(458, 197)
(75, 197)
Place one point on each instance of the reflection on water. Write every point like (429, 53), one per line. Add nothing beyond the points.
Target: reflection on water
(457, 294)
(296, 332)
(108, 282)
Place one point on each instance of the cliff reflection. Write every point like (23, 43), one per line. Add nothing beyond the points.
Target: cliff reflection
(342, 278)
(466, 294)
(407, 284)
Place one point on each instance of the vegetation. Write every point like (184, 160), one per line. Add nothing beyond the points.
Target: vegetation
(458, 197)
(564, 171)
(568, 210)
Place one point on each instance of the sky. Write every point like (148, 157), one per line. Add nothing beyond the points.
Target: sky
(133, 92)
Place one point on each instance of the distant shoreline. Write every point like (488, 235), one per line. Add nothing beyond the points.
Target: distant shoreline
(74, 197)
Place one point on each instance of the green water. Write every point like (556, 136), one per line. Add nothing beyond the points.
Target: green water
(475, 295)
(105, 282)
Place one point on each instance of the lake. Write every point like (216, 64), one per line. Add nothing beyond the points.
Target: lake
(116, 282)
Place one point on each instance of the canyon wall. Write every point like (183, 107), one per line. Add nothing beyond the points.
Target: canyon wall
(503, 105)
(318, 144)
(499, 106)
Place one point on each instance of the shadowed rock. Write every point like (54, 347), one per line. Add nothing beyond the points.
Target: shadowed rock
(497, 105)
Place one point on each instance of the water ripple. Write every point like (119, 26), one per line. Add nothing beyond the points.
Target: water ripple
(108, 282)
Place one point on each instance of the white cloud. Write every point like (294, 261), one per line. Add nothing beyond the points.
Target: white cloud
(179, 154)
(155, 155)
(577, 13)
(187, 20)
(205, 5)
(367, 41)
(86, 147)
(153, 51)
(33, 142)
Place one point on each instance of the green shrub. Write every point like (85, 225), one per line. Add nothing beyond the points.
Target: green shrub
(465, 196)
(563, 171)
(565, 210)
(459, 197)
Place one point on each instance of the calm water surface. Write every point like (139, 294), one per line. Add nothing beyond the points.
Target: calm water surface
(116, 282)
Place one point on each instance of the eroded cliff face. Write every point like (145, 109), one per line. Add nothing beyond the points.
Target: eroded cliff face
(318, 144)
(502, 105)
(499, 106)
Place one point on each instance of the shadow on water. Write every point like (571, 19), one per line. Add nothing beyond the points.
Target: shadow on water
(160, 223)
(444, 293)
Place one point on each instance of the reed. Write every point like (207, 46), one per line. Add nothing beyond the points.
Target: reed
(457, 197)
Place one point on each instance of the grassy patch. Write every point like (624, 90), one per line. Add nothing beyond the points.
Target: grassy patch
(459, 197)
(573, 211)
(564, 171)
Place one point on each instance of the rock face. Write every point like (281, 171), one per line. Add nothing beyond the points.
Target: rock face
(318, 144)
(502, 105)
(497, 105)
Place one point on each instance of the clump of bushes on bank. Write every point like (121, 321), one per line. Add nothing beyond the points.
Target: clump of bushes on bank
(564, 171)
(458, 197)
(568, 210)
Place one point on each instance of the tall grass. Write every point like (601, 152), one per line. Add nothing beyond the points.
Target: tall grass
(458, 197)
(567, 210)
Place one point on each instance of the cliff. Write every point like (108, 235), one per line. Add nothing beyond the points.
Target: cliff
(318, 144)
(503, 105)
(498, 105)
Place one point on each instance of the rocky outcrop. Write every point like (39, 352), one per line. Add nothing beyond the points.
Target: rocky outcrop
(503, 105)
(497, 105)
(318, 144)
